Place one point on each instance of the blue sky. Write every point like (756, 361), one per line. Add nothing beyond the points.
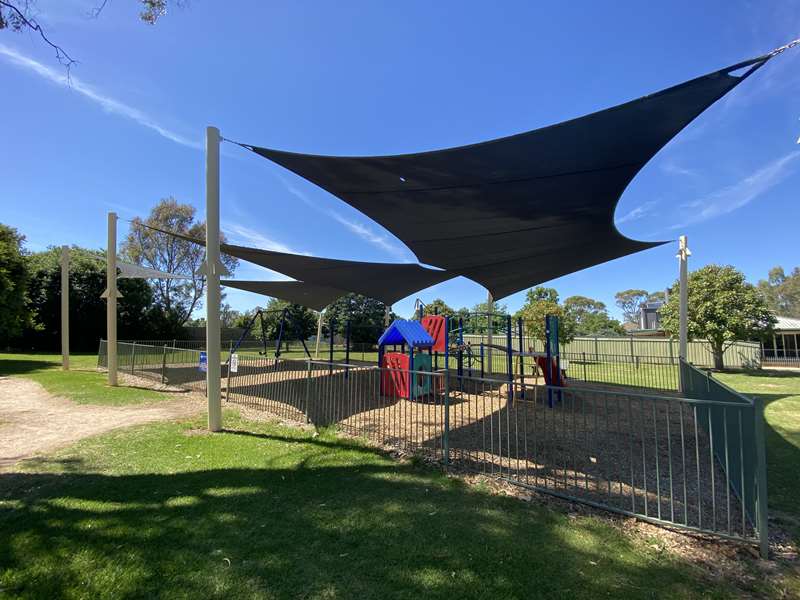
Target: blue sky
(370, 77)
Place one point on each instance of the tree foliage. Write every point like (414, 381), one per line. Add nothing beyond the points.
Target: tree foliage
(366, 317)
(300, 322)
(541, 293)
(439, 307)
(591, 317)
(14, 279)
(782, 291)
(629, 302)
(22, 15)
(722, 308)
(87, 310)
(533, 315)
(177, 298)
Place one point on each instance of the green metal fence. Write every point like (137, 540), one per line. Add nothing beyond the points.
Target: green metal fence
(694, 460)
(735, 427)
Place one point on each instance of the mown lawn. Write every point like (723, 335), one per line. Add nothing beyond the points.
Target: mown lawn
(265, 511)
(82, 384)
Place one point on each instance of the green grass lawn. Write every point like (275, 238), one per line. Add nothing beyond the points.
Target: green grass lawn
(265, 511)
(82, 384)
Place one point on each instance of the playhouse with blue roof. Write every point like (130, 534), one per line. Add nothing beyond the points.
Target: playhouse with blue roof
(406, 372)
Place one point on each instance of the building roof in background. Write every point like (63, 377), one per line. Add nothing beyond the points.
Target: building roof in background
(517, 211)
(787, 324)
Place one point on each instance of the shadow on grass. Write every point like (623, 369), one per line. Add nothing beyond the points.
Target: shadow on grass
(372, 529)
(23, 366)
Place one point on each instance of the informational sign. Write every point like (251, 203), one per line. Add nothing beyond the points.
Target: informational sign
(203, 366)
(234, 363)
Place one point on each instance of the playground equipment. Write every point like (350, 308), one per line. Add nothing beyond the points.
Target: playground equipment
(443, 336)
(282, 329)
(404, 374)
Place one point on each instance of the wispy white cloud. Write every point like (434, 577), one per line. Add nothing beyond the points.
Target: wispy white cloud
(639, 212)
(741, 193)
(672, 168)
(244, 235)
(368, 234)
(362, 230)
(104, 101)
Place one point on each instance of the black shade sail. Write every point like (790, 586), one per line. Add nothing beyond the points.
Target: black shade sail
(387, 282)
(296, 292)
(513, 212)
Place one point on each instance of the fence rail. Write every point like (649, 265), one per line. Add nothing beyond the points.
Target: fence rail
(739, 355)
(169, 365)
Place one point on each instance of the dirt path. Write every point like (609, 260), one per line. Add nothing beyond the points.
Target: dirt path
(33, 421)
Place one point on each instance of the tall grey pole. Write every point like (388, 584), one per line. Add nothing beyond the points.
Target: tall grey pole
(111, 298)
(683, 329)
(489, 332)
(65, 308)
(213, 291)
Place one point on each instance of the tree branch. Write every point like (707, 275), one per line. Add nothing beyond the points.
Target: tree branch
(61, 54)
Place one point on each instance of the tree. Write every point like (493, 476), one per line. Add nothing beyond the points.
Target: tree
(21, 15)
(439, 307)
(14, 279)
(533, 317)
(591, 317)
(366, 317)
(722, 308)
(630, 301)
(177, 298)
(87, 310)
(300, 323)
(228, 316)
(782, 291)
(542, 293)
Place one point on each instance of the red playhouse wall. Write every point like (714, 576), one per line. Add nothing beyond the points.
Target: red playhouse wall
(394, 380)
(434, 325)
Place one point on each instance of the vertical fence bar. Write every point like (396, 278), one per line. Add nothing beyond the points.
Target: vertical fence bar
(133, 357)
(446, 432)
(164, 366)
(761, 477)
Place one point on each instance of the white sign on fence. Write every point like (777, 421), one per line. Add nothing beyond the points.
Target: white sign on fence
(234, 363)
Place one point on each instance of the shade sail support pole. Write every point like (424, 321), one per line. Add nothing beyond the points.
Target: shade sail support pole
(683, 327)
(213, 291)
(65, 308)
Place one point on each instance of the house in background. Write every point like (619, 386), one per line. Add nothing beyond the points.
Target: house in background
(784, 346)
(649, 323)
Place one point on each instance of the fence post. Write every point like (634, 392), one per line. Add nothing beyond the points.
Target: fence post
(308, 387)
(446, 433)
(761, 477)
(596, 352)
(671, 352)
(164, 366)
(631, 339)
(133, 357)
(585, 378)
